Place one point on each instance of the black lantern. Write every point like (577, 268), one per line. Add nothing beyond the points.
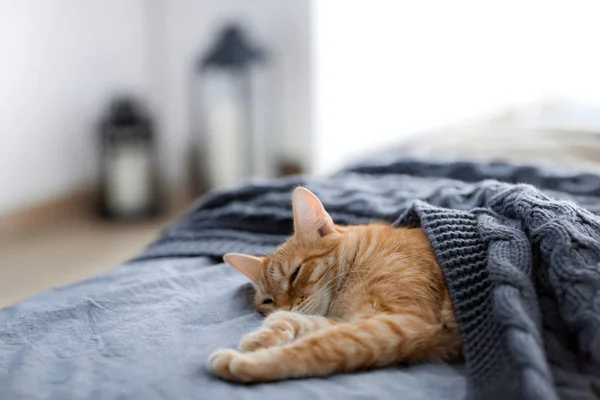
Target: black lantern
(231, 147)
(128, 164)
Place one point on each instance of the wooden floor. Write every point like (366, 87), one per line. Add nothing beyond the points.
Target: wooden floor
(65, 251)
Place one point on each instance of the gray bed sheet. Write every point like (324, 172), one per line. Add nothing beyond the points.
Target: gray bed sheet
(145, 330)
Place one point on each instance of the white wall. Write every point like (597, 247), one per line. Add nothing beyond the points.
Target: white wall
(386, 69)
(59, 60)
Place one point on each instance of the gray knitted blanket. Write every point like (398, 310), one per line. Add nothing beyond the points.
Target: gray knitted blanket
(522, 261)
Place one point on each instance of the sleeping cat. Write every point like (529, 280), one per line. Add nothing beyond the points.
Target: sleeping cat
(341, 298)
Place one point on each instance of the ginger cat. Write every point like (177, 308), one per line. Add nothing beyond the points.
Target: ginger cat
(341, 298)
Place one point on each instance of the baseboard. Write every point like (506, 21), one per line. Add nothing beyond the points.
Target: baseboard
(71, 204)
(76, 204)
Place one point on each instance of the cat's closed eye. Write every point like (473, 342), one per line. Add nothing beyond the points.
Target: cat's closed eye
(294, 274)
(267, 301)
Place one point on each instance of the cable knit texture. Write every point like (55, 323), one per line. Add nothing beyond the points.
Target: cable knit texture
(522, 264)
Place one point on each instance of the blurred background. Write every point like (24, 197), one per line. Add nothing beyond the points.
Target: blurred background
(116, 114)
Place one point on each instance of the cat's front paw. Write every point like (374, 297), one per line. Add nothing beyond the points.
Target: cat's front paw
(234, 366)
(275, 333)
(219, 363)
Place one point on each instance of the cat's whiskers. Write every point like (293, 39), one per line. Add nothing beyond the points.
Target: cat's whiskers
(327, 286)
(315, 297)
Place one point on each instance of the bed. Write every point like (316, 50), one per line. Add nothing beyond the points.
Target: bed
(145, 329)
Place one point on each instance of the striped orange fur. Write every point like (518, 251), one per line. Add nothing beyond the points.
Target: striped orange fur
(341, 299)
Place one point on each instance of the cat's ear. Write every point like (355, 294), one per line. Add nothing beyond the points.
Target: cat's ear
(310, 217)
(247, 265)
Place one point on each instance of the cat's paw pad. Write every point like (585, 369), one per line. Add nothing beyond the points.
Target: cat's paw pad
(275, 334)
(231, 365)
